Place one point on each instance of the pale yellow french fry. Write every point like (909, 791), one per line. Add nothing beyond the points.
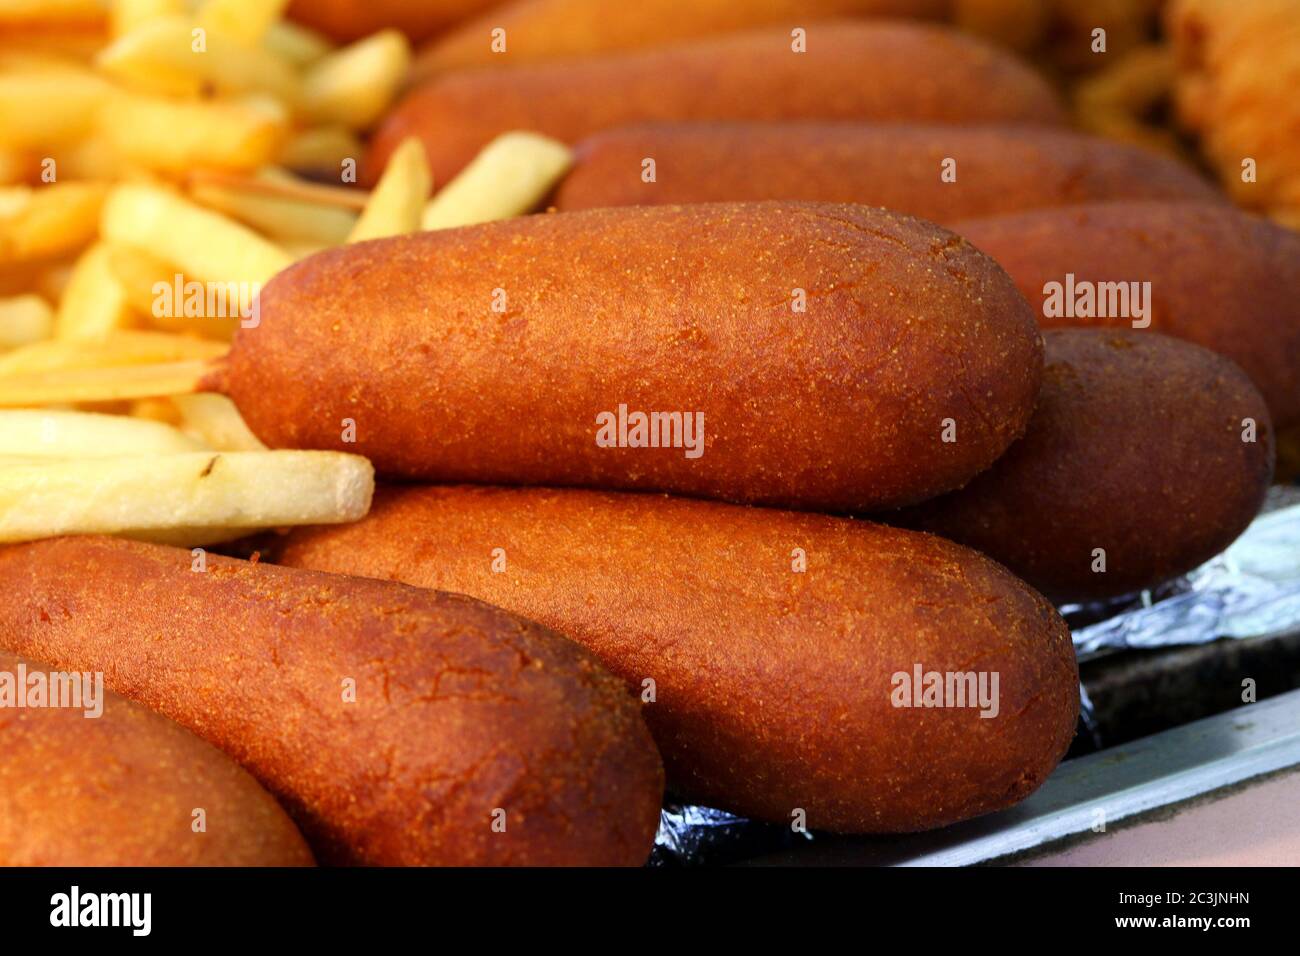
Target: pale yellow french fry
(215, 420)
(119, 384)
(296, 44)
(128, 15)
(60, 434)
(141, 274)
(246, 20)
(397, 201)
(49, 107)
(301, 250)
(13, 200)
(17, 57)
(509, 177)
(205, 245)
(200, 490)
(150, 285)
(92, 158)
(175, 136)
(58, 219)
(164, 56)
(354, 86)
(284, 184)
(117, 349)
(93, 304)
(189, 537)
(284, 219)
(24, 319)
(24, 460)
(322, 148)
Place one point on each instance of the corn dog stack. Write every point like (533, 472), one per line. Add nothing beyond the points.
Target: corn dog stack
(707, 399)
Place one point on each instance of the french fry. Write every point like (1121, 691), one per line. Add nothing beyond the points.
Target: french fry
(43, 13)
(509, 177)
(139, 273)
(53, 278)
(174, 136)
(205, 245)
(127, 15)
(246, 20)
(150, 284)
(25, 59)
(321, 149)
(163, 56)
(397, 201)
(216, 421)
(189, 537)
(60, 434)
(24, 319)
(199, 490)
(13, 200)
(91, 158)
(49, 107)
(300, 249)
(117, 384)
(287, 219)
(93, 303)
(295, 43)
(58, 219)
(353, 86)
(280, 183)
(114, 350)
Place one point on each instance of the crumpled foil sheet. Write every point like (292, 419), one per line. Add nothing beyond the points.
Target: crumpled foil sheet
(1250, 590)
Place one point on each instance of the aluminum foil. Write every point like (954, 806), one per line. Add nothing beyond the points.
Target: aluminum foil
(1250, 590)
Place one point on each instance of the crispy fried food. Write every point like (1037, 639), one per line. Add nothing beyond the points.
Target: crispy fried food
(396, 725)
(1146, 457)
(1238, 67)
(771, 685)
(127, 788)
(864, 71)
(814, 355)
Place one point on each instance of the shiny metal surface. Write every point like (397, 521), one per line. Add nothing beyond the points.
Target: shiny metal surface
(1116, 784)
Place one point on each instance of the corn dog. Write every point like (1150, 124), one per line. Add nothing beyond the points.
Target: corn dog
(354, 19)
(107, 783)
(864, 70)
(804, 355)
(776, 690)
(1218, 277)
(1145, 457)
(535, 31)
(397, 726)
(941, 173)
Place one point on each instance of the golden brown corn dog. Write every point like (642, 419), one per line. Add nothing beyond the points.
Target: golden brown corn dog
(107, 783)
(940, 173)
(850, 71)
(397, 726)
(540, 30)
(816, 356)
(1219, 278)
(1146, 457)
(354, 19)
(772, 687)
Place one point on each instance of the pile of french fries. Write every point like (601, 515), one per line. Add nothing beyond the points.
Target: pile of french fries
(148, 146)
